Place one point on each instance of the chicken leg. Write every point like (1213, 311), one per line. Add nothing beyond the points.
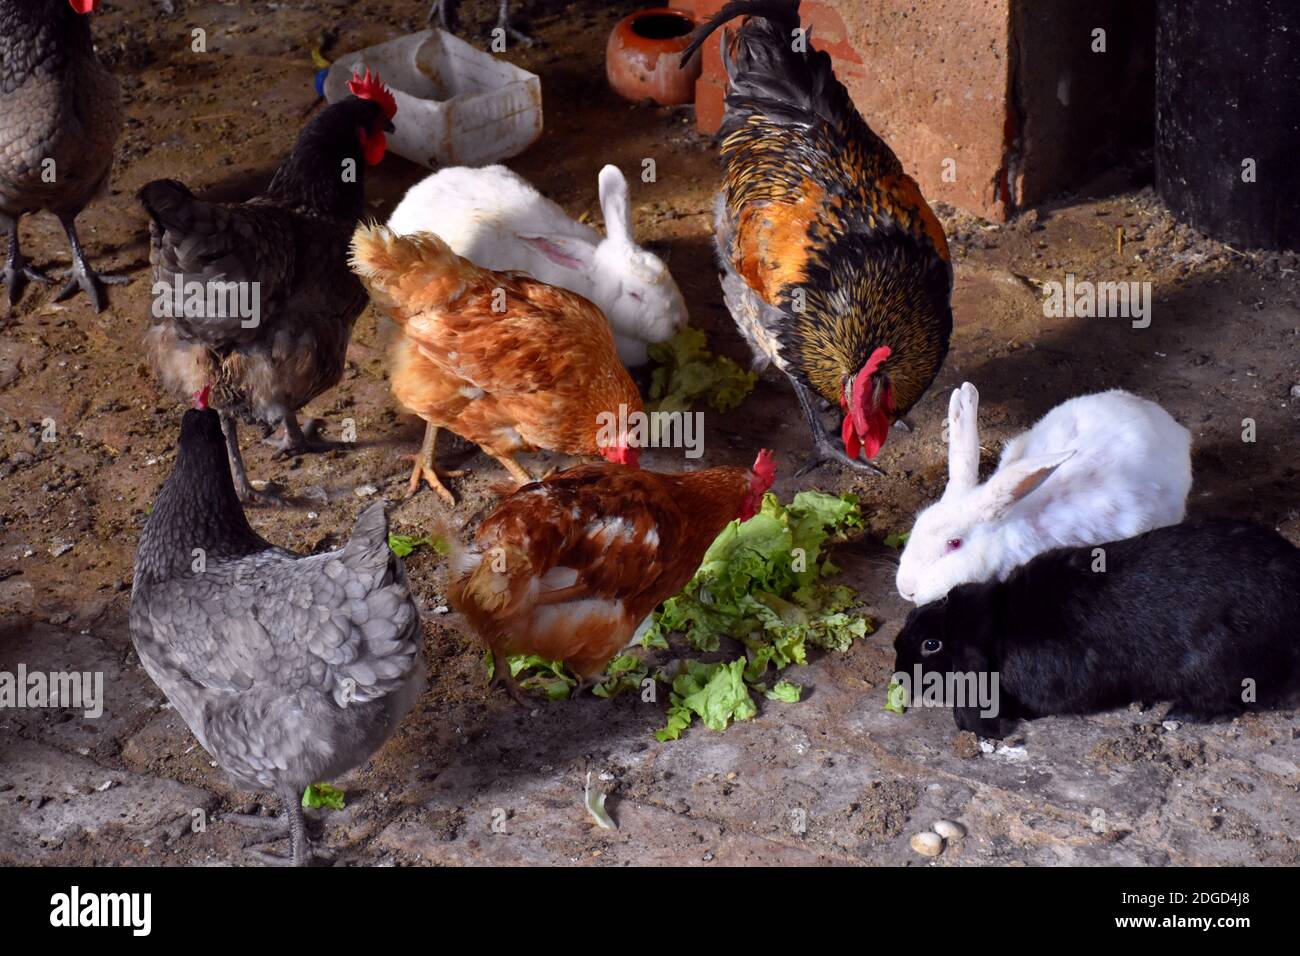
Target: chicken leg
(290, 823)
(503, 23)
(81, 275)
(302, 440)
(243, 487)
(517, 471)
(825, 446)
(426, 468)
(18, 268)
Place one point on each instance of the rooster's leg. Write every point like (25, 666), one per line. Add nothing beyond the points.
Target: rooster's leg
(18, 268)
(503, 23)
(825, 446)
(426, 468)
(243, 487)
(441, 9)
(517, 471)
(82, 276)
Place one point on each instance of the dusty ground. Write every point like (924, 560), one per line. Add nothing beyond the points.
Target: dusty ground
(1116, 788)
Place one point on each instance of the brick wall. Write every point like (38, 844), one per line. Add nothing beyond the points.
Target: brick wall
(992, 105)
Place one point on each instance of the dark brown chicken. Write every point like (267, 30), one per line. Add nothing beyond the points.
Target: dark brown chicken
(256, 299)
(834, 266)
(60, 116)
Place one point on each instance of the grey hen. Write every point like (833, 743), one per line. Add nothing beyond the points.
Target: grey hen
(288, 669)
(60, 116)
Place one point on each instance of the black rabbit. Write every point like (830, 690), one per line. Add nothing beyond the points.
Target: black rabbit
(1206, 614)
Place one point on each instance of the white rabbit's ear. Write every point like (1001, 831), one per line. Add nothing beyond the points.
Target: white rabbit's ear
(567, 251)
(615, 204)
(1017, 479)
(963, 440)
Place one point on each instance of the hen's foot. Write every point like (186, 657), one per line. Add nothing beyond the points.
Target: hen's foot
(303, 441)
(517, 471)
(501, 676)
(87, 280)
(18, 272)
(431, 475)
(826, 451)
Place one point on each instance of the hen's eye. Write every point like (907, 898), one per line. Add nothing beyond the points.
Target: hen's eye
(931, 646)
(954, 544)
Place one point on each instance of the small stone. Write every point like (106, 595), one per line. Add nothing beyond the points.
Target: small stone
(60, 549)
(1295, 390)
(927, 843)
(1171, 725)
(364, 491)
(949, 830)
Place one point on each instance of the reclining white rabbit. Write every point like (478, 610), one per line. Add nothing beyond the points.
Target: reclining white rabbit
(1118, 465)
(494, 218)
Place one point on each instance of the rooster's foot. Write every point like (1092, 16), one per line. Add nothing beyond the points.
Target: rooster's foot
(503, 23)
(18, 272)
(827, 451)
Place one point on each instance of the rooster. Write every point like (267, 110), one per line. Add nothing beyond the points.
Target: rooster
(290, 670)
(835, 269)
(505, 361)
(571, 567)
(60, 116)
(285, 251)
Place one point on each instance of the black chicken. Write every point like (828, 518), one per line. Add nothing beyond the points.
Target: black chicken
(289, 670)
(256, 299)
(60, 116)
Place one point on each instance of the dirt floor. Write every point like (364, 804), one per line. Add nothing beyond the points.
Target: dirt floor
(471, 778)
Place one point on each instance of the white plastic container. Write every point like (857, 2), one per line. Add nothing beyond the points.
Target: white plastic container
(456, 105)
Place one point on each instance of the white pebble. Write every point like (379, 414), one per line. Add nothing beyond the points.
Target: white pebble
(364, 491)
(927, 843)
(949, 830)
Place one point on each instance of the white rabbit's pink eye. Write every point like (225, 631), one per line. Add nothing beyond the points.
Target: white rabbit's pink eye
(931, 646)
(954, 544)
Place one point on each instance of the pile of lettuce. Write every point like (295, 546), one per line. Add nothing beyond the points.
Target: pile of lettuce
(760, 583)
(688, 372)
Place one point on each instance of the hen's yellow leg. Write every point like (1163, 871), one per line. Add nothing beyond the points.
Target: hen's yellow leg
(427, 470)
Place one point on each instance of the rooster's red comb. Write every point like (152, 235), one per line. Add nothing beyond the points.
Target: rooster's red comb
(765, 468)
(201, 397)
(370, 87)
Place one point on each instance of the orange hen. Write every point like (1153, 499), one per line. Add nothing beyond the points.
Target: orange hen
(571, 567)
(505, 361)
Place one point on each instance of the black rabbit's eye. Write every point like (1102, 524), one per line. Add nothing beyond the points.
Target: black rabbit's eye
(931, 646)
(954, 544)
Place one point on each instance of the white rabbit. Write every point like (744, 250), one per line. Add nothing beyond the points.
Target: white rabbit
(494, 218)
(1119, 465)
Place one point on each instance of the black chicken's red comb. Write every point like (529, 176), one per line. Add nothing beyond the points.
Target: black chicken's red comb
(370, 87)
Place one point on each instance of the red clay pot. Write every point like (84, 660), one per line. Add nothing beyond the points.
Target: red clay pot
(641, 58)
